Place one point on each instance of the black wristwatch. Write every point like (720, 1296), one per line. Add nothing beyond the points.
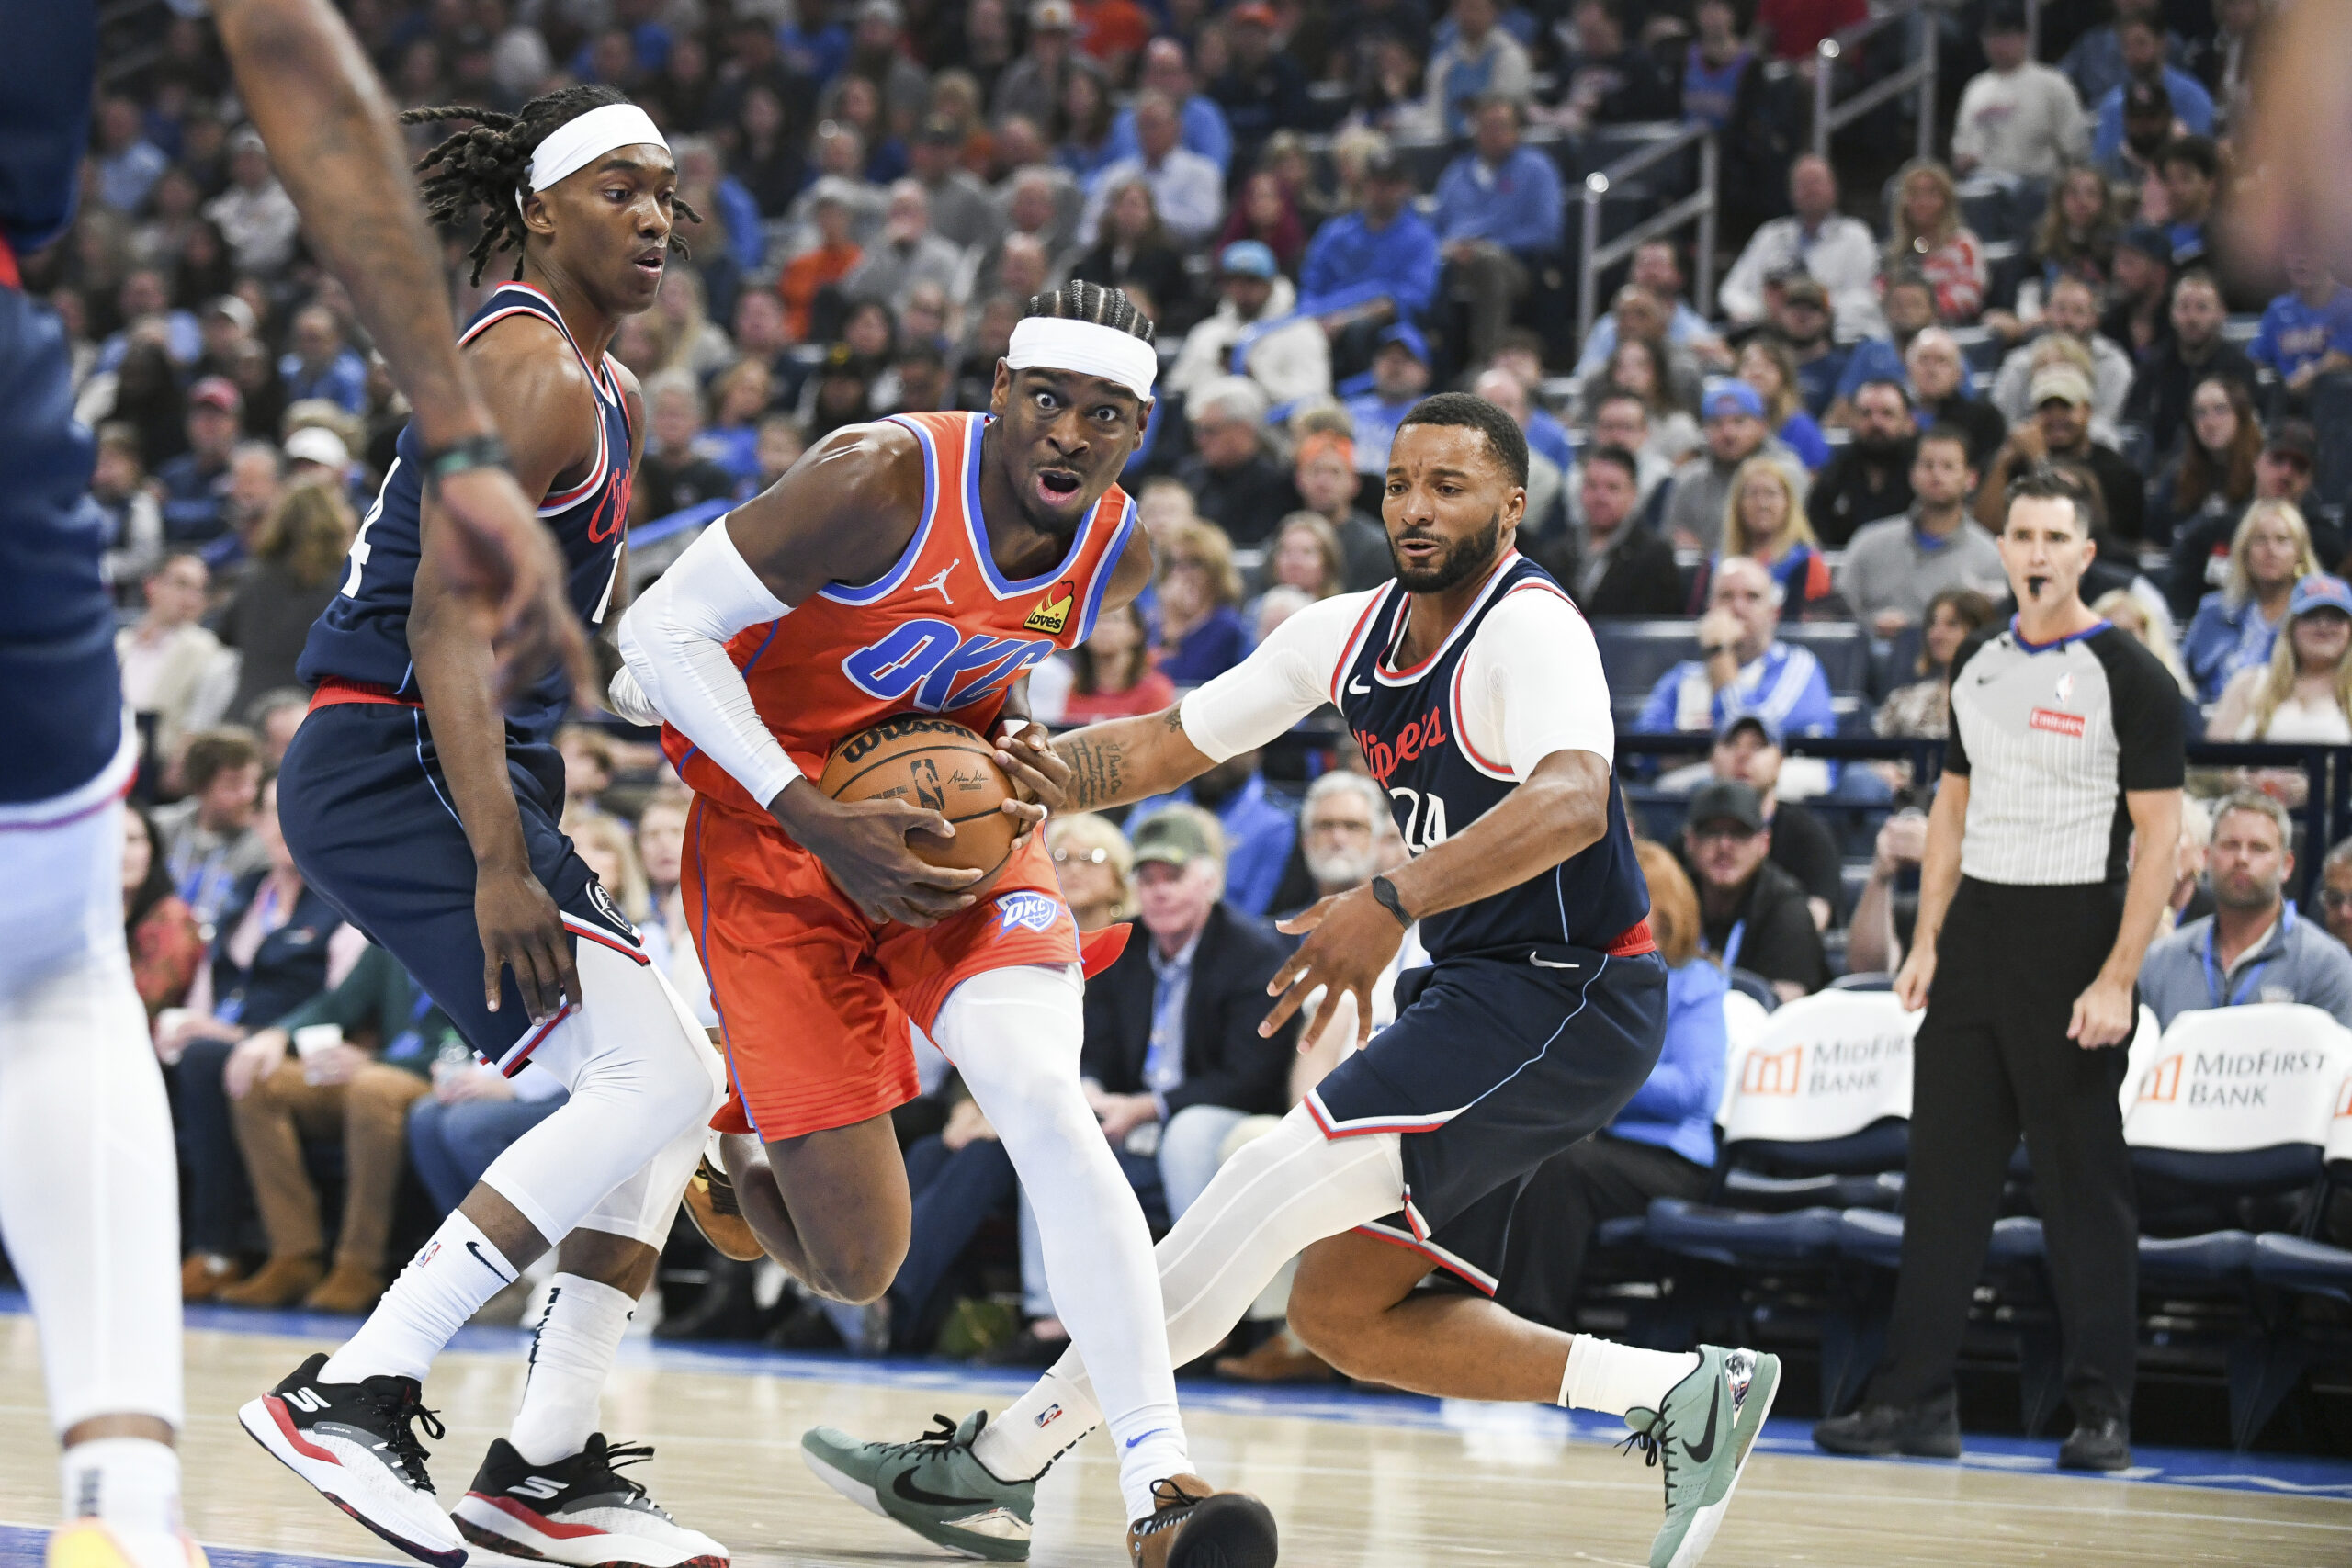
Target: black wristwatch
(461, 457)
(1385, 891)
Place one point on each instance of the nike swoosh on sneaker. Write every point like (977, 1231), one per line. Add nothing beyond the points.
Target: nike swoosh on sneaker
(905, 1487)
(1704, 1450)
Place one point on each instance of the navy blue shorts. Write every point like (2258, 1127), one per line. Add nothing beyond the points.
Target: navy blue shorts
(1496, 1062)
(366, 811)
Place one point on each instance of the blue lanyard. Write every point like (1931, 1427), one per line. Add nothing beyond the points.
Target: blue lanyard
(1731, 944)
(2215, 979)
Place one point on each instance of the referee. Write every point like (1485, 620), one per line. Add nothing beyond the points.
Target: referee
(2065, 743)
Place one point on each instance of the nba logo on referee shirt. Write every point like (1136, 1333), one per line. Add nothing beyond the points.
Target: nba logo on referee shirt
(1031, 910)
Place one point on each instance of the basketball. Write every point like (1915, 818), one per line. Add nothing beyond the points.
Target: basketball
(936, 764)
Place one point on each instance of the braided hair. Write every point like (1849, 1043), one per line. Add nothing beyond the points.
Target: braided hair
(487, 167)
(1076, 302)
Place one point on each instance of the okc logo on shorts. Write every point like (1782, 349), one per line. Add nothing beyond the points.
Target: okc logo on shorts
(1034, 911)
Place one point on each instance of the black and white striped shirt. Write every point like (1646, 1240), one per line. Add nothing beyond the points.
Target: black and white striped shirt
(2051, 736)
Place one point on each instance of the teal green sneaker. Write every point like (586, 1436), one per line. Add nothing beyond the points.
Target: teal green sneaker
(934, 1486)
(1703, 1438)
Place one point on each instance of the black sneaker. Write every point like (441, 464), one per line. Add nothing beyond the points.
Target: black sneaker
(578, 1511)
(2100, 1443)
(356, 1443)
(1929, 1430)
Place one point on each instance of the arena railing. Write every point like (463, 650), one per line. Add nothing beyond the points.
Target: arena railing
(1699, 208)
(1918, 77)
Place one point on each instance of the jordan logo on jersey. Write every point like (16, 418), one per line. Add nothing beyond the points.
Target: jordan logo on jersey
(1052, 612)
(938, 667)
(939, 584)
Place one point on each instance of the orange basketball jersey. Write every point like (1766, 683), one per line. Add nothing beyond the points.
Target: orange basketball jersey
(942, 632)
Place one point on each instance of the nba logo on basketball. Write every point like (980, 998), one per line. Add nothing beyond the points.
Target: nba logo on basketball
(1031, 910)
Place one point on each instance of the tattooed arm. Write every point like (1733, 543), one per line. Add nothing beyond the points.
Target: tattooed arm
(1112, 763)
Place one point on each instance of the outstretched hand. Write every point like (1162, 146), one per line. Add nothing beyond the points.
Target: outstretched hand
(1350, 940)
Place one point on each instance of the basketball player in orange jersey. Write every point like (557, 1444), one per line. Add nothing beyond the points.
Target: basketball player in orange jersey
(920, 565)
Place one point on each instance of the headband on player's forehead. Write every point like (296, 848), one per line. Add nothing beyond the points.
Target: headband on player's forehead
(1057, 343)
(573, 145)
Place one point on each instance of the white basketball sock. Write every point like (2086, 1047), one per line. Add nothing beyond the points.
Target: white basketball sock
(1272, 1199)
(570, 1353)
(1015, 1035)
(132, 1484)
(442, 1285)
(1612, 1378)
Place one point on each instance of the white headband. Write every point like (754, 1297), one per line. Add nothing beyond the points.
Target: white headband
(1055, 342)
(570, 147)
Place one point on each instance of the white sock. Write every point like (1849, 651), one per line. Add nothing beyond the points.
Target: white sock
(1275, 1196)
(570, 1354)
(1613, 1379)
(1151, 1444)
(442, 1285)
(132, 1484)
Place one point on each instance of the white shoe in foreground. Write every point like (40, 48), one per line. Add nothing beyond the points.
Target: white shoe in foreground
(356, 1444)
(578, 1511)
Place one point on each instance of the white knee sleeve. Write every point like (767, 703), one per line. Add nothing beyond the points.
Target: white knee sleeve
(644, 1082)
(89, 1188)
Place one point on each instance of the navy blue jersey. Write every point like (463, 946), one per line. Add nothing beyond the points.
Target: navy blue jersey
(363, 635)
(1406, 721)
(60, 699)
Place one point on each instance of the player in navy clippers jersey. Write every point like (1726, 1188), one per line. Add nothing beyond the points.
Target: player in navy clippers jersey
(427, 812)
(86, 1172)
(1476, 694)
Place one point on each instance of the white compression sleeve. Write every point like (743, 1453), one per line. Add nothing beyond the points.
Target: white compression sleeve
(1532, 683)
(675, 641)
(1286, 678)
(1275, 1198)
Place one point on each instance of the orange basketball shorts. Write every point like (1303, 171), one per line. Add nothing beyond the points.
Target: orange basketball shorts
(813, 999)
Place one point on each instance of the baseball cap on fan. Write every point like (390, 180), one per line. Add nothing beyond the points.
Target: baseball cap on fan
(317, 443)
(1172, 838)
(216, 392)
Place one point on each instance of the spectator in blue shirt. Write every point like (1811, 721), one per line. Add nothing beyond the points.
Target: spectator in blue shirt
(195, 483)
(1259, 832)
(322, 365)
(2141, 38)
(2306, 331)
(1400, 374)
(1375, 265)
(1497, 216)
(127, 164)
(1742, 666)
(1165, 70)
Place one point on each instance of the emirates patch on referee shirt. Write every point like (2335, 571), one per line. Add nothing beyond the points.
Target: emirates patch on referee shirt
(2066, 723)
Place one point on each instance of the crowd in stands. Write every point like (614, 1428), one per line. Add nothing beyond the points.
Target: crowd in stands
(1787, 494)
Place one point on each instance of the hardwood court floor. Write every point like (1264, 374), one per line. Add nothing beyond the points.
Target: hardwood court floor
(1356, 1482)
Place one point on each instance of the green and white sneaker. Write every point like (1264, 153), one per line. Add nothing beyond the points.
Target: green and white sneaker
(1703, 1437)
(935, 1487)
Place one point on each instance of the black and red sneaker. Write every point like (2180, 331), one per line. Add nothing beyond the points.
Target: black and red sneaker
(356, 1443)
(580, 1511)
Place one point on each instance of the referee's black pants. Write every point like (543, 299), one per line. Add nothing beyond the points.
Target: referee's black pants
(1992, 1059)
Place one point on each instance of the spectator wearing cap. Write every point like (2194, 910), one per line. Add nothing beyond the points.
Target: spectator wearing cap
(906, 253)
(254, 215)
(1497, 218)
(1742, 666)
(1263, 88)
(2141, 38)
(2060, 429)
(1819, 242)
(2235, 626)
(1166, 71)
(1185, 186)
(1869, 476)
(2072, 313)
(320, 364)
(2192, 351)
(1256, 332)
(1257, 833)
(1481, 59)
(1893, 568)
(1749, 749)
(1610, 563)
(1400, 375)
(195, 483)
(1375, 266)
(316, 454)
(1753, 915)
(2306, 333)
(2300, 693)
(2133, 168)
(1800, 320)
(1734, 431)
(2017, 117)
(963, 213)
(1236, 484)
(1606, 78)
(1033, 86)
(2256, 947)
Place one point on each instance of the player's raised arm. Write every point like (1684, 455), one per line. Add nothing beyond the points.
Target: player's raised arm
(331, 135)
(843, 514)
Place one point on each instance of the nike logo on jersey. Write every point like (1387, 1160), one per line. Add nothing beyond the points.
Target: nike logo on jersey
(1357, 688)
(934, 663)
(1542, 963)
(939, 584)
